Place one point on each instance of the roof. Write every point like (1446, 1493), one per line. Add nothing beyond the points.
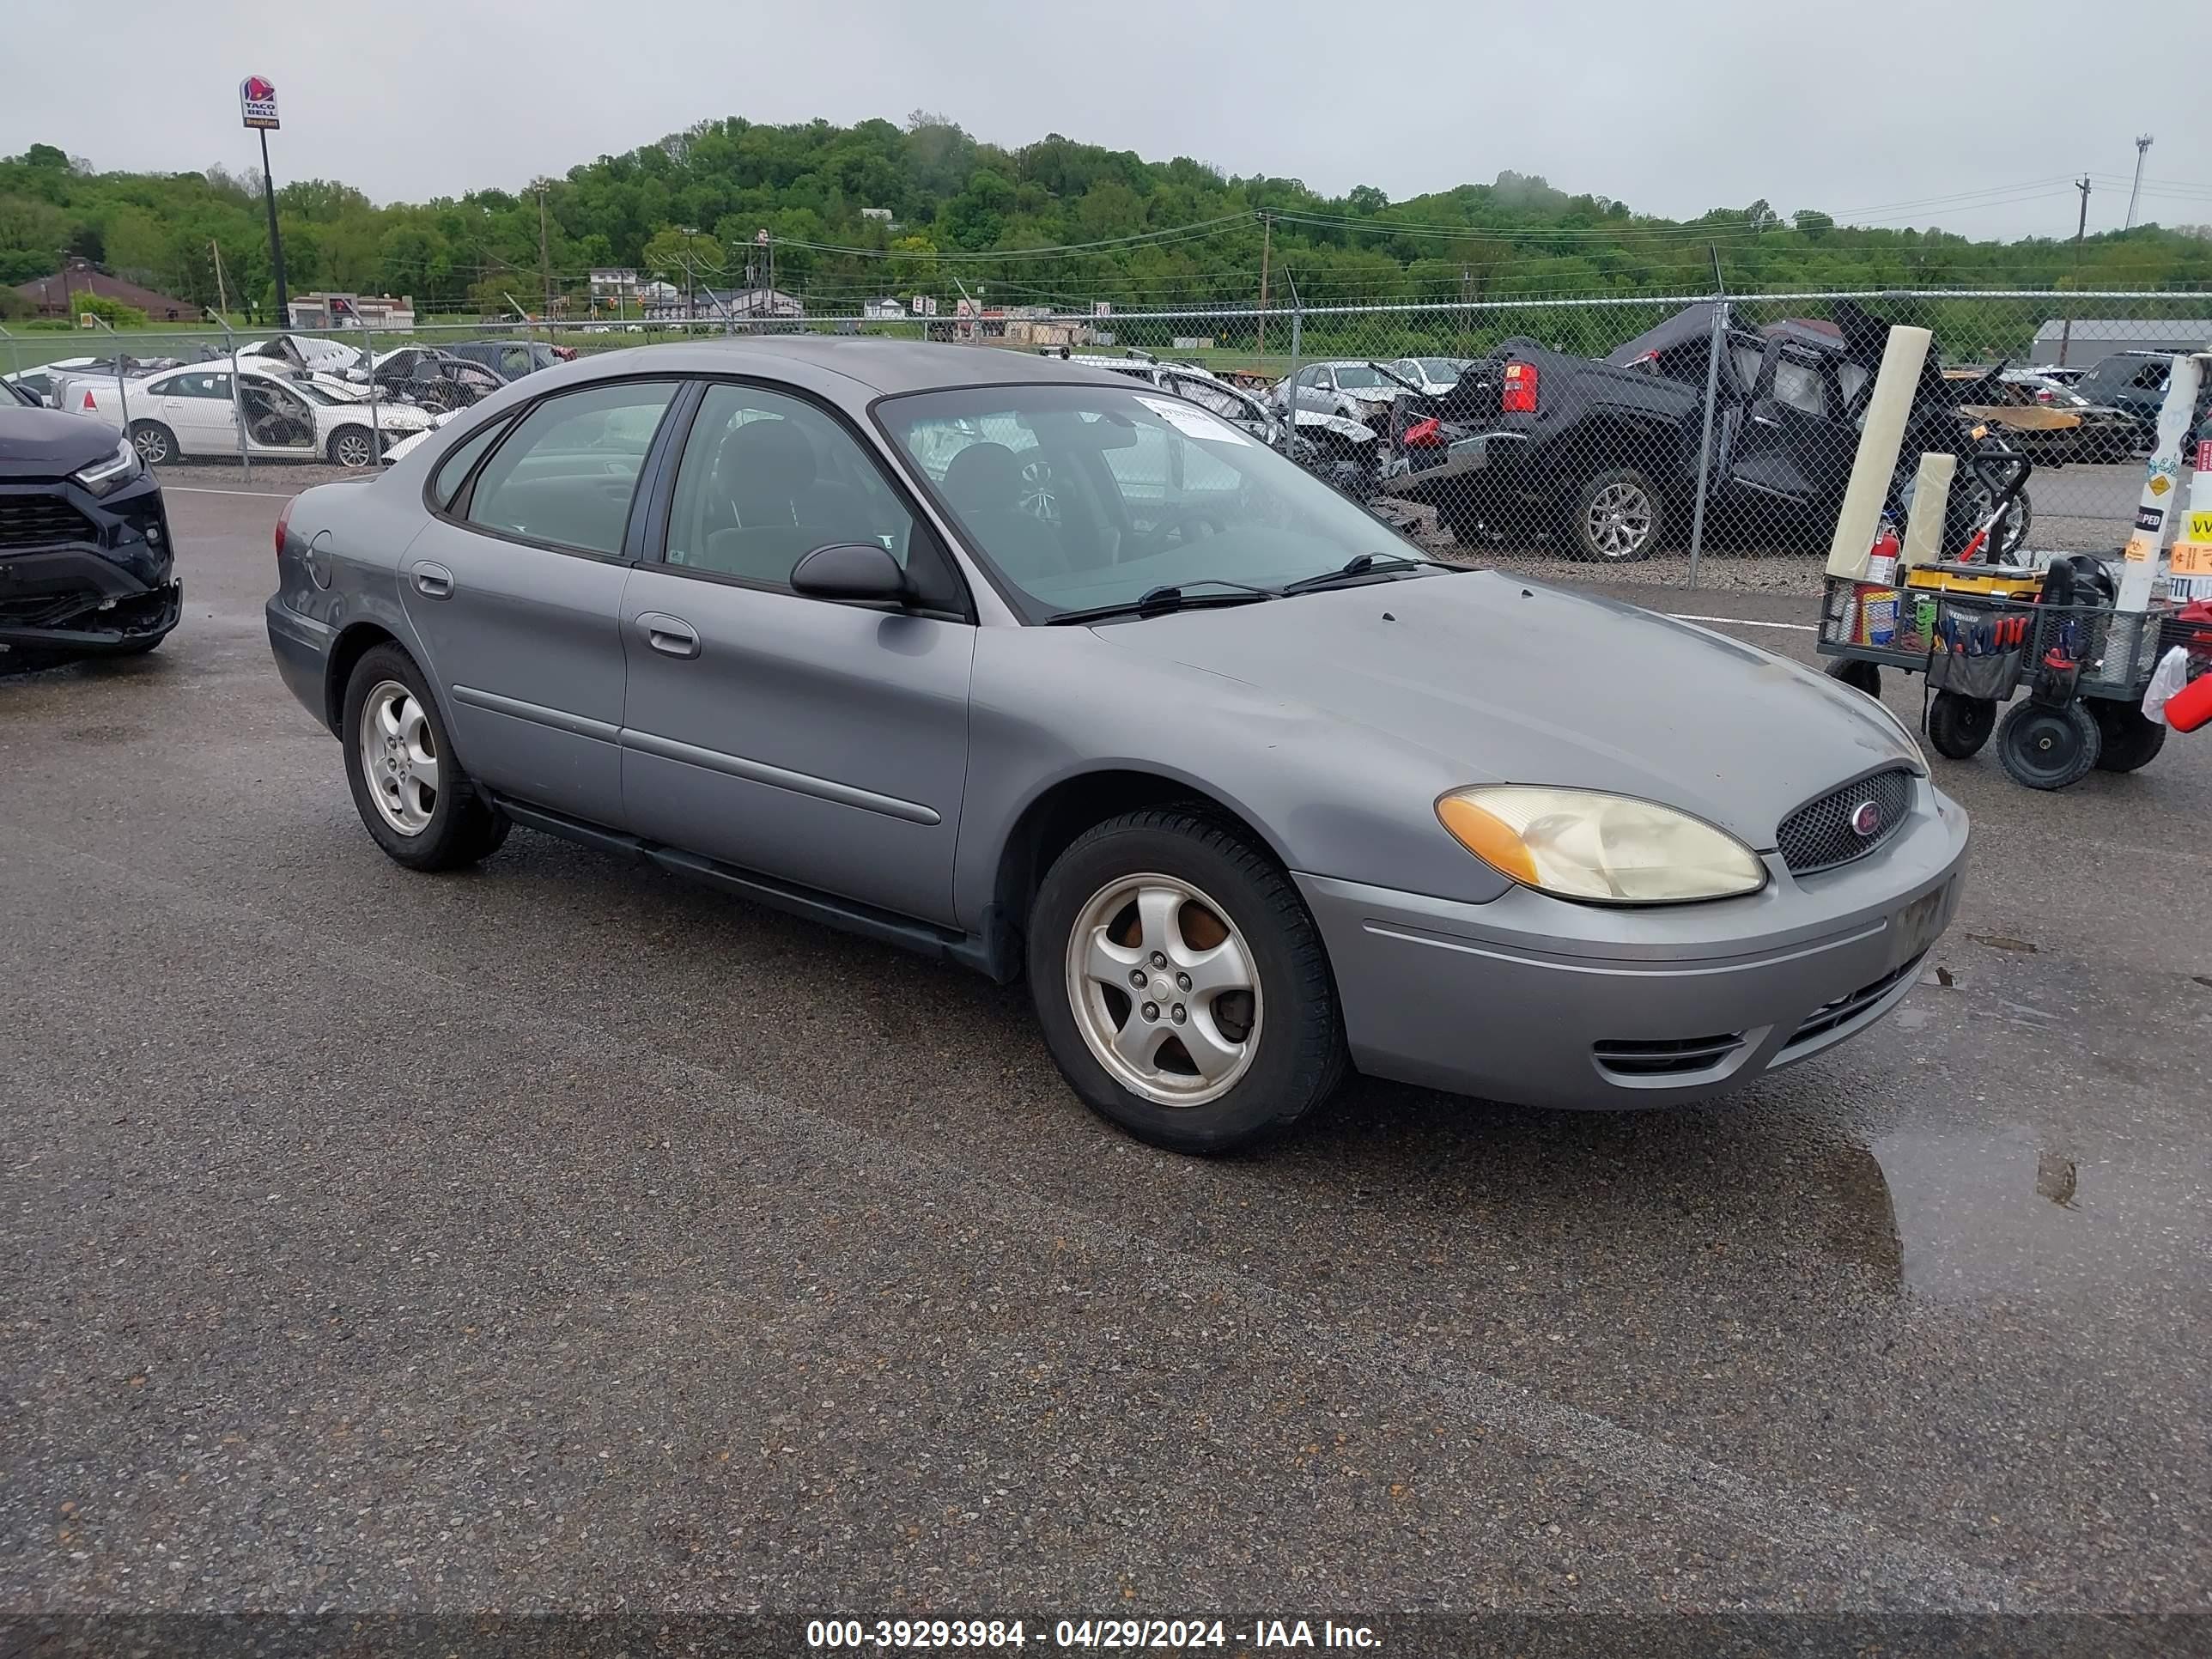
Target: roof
(49, 292)
(880, 365)
(2148, 329)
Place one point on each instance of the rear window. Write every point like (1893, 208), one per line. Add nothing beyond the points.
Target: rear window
(453, 470)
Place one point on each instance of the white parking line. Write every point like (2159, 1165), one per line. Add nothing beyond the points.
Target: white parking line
(1745, 621)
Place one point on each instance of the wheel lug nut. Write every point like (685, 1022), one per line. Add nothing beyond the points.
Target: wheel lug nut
(1182, 981)
(1158, 961)
(1151, 1010)
(1181, 1013)
(1137, 977)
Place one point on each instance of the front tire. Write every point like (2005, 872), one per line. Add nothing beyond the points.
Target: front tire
(156, 444)
(412, 795)
(1860, 676)
(1616, 518)
(1958, 727)
(1183, 989)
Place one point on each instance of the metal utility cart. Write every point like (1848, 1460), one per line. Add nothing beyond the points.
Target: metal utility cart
(1980, 633)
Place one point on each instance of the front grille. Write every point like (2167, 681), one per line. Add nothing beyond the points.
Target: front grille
(41, 521)
(1832, 1016)
(1664, 1056)
(1820, 836)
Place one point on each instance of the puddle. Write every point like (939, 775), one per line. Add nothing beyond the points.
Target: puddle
(2008, 1214)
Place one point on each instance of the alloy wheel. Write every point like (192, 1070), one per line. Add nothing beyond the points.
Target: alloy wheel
(353, 449)
(1164, 989)
(152, 446)
(1618, 520)
(400, 756)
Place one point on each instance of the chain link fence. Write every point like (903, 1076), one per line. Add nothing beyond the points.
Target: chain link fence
(1666, 439)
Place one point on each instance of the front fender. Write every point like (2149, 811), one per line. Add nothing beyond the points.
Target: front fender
(1051, 704)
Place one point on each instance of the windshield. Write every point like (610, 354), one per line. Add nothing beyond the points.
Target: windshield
(1095, 495)
(315, 394)
(1352, 376)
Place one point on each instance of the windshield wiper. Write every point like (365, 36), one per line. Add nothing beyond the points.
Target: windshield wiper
(1158, 601)
(1363, 564)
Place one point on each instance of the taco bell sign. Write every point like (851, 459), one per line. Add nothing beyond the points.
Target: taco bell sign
(256, 102)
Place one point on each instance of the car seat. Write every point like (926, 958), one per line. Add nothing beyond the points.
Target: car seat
(984, 486)
(766, 508)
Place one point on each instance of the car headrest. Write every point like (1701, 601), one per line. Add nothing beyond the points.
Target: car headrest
(984, 478)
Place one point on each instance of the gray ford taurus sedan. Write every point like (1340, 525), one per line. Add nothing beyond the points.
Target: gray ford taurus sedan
(1021, 665)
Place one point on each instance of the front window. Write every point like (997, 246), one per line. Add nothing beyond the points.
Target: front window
(1443, 369)
(1080, 497)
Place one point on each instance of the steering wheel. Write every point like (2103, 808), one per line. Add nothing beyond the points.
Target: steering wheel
(1178, 527)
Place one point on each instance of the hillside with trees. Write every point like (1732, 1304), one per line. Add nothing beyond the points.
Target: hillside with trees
(1056, 221)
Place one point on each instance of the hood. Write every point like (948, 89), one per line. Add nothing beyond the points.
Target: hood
(50, 443)
(1509, 682)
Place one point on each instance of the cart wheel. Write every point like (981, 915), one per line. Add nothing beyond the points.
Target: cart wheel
(1859, 676)
(1958, 725)
(2129, 740)
(2044, 747)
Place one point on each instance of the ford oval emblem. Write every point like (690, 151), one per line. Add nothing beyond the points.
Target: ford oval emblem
(1866, 819)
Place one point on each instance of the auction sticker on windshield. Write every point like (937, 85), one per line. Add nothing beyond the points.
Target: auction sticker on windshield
(1192, 421)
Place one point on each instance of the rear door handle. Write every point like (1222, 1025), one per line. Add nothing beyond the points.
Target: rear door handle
(671, 635)
(433, 581)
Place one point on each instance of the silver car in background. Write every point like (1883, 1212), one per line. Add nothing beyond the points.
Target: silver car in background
(1026, 666)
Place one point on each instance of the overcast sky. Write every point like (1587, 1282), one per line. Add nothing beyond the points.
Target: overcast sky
(1872, 110)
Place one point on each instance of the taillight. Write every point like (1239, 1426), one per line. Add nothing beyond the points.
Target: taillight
(283, 518)
(1424, 435)
(1518, 395)
(2043, 395)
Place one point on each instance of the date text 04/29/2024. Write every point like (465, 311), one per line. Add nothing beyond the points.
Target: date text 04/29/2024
(1122, 1635)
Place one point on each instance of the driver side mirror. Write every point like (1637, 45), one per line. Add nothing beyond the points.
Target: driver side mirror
(859, 573)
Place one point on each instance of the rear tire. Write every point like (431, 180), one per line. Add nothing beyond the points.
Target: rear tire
(156, 444)
(2047, 748)
(1958, 727)
(1616, 518)
(429, 817)
(1149, 894)
(2129, 740)
(353, 447)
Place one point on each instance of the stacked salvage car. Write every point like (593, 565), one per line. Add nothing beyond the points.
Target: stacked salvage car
(86, 567)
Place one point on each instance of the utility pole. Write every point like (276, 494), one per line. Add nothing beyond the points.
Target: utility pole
(2080, 229)
(544, 265)
(221, 294)
(2142, 145)
(691, 310)
(1266, 247)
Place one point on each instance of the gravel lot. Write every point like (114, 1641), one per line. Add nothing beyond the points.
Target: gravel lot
(556, 1237)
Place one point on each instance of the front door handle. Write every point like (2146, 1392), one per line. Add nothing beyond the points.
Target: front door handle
(671, 635)
(433, 581)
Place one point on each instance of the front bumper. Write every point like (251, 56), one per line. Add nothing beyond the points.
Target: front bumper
(1541, 1002)
(81, 602)
(81, 574)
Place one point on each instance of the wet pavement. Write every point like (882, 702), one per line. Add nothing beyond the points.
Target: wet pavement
(557, 1236)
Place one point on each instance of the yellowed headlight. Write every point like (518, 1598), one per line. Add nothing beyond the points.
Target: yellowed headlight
(1610, 849)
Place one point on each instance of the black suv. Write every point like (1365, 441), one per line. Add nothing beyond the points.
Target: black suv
(85, 567)
(2135, 382)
